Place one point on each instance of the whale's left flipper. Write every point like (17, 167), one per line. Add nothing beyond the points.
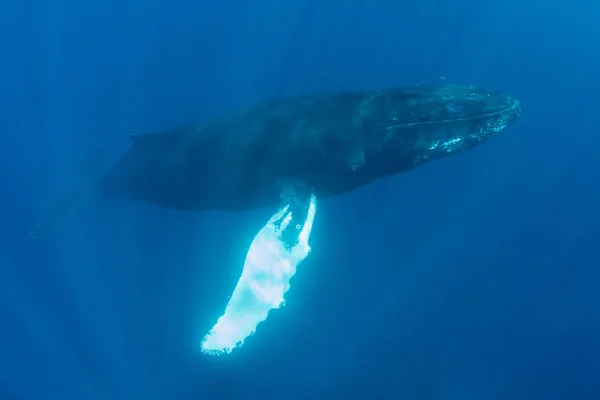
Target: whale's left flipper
(271, 262)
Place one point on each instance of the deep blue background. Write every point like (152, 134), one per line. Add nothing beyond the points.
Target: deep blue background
(476, 277)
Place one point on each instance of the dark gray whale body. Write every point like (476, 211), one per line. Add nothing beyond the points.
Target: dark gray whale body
(329, 144)
(283, 152)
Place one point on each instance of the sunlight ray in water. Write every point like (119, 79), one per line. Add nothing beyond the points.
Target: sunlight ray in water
(269, 266)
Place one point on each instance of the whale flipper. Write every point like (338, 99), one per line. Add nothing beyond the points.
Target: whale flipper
(275, 253)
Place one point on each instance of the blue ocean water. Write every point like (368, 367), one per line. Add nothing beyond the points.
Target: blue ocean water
(475, 277)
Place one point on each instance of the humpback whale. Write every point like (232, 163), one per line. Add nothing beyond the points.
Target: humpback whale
(286, 154)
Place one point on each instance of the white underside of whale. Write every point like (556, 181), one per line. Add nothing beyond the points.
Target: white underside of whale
(265, 279)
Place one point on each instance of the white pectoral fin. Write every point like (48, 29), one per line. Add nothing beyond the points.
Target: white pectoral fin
(270, 263)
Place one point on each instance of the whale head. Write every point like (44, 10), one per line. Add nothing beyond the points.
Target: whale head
(413, 126)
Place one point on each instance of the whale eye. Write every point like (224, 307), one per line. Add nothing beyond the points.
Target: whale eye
(453, 108)
(298, 226)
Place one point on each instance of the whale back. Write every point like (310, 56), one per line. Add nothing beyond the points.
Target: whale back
(238, 160)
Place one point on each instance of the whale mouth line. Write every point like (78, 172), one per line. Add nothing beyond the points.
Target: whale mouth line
(514, 107)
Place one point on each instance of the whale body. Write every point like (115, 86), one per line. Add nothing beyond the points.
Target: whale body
(286, 151)
(328, 144)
